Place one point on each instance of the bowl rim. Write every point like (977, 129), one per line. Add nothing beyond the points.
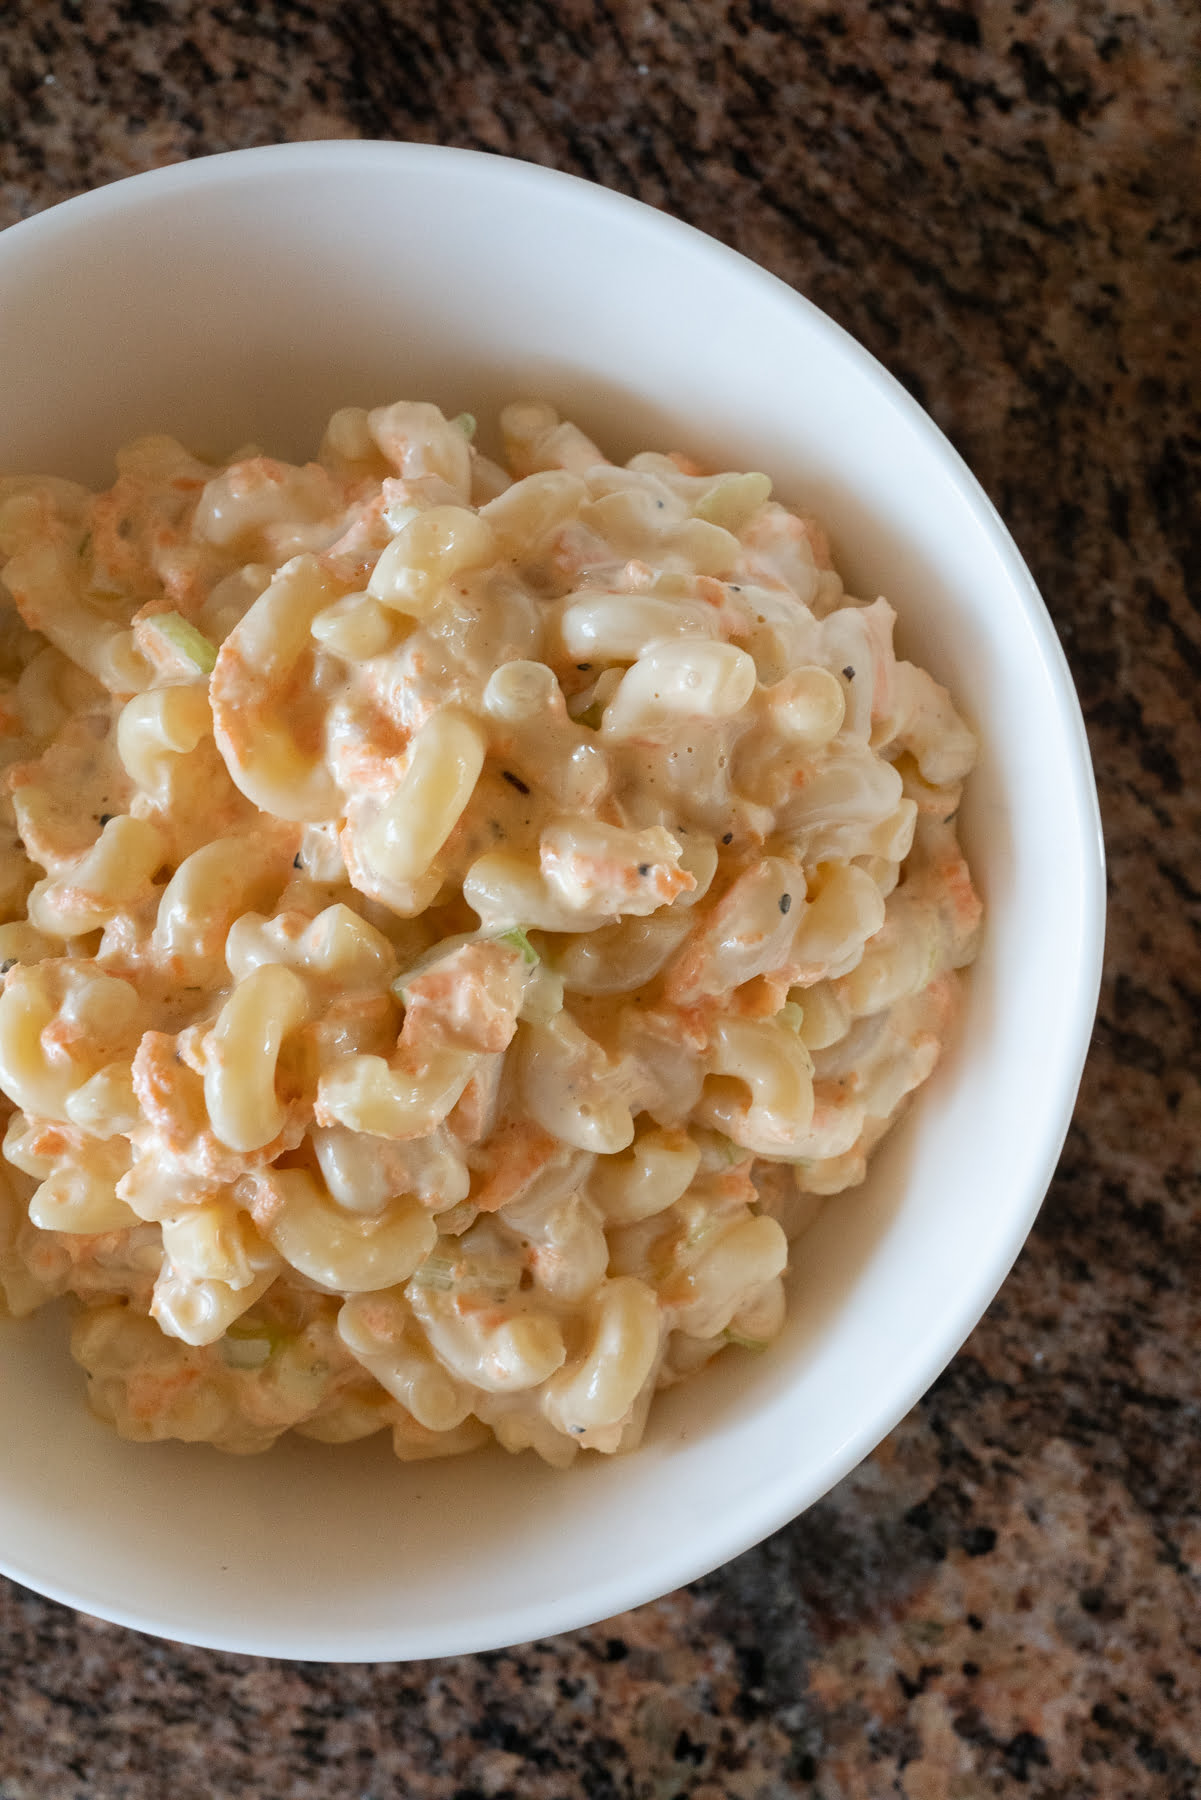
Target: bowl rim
(780, 1502)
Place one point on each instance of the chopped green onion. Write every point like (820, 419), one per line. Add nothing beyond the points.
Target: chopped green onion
(495, 1276)
(519, 941)
(241, 1351)
(732, 501)
(670, 584)
(730, 1336)
(700, 1231)
(543, 996)
(184, 637)
(436, 1272)
(253, 1328)
(466, 424)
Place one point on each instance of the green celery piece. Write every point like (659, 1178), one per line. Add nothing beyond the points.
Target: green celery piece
(520, 941)
(249, 1347)
(437, 1272)
(743, 1343)
(184, 637)
(733, 500)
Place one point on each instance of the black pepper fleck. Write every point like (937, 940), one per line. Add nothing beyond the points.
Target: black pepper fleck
(849, 672)
(785, 902)
(644, 868)
(104, 819)
(583, 667)
(296, 862)
(515, 781)
(729, 838)
(8, 963)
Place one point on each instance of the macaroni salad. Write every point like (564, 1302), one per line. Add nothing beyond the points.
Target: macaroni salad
(460, 920)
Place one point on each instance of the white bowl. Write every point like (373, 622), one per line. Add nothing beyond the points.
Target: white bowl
(245, 297)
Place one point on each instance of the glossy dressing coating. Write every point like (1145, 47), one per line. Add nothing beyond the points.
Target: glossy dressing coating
(461, 921)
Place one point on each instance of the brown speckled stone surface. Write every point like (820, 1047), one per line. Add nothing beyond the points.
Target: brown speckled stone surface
(1001, 201)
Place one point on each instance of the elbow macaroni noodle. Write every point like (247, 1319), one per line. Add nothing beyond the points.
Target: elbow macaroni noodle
(459, 923)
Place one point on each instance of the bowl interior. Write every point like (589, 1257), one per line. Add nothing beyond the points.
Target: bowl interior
(246, 297)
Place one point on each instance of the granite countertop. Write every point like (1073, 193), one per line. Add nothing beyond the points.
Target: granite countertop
(1001, 202)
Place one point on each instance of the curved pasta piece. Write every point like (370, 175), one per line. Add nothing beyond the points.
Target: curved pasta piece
(430, 550)
(365, 1093)
(390, 848)
(501, 1351)
(60, 797)
(765, 1102)
(364, 1173)
(268, 728)
(61, 1021)
(689, 678)
(730, 1272)
(622, 627)
(201, 1310)
(111, 877)
(532, 507)
(209, 890)
(337, 945)
(260, 506)
(533, 734)
(421, 444)
(507, 891)
(929, 728)
(381, 1333)
(592, 867)
(806, 707)
(750, 932)
(571, 1088)
(106, 1105)
(158, 725)
(645, 1179)
(567, 1254)
(625, 1331)
(78, 1199)
(623, 956)
(241, 1053)
(535, 439)
(347, 1253)
(844, 913)
(44, 581)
